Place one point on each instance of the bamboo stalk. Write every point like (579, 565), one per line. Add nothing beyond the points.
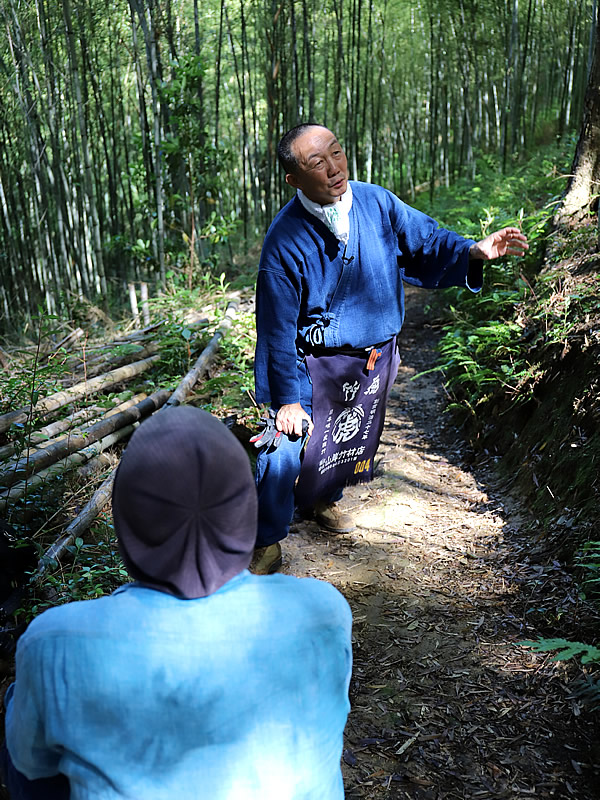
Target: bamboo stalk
(141, 333)
(133, 401)
(60, 399)
(95, 356)
(69, 339)
(74, 460)
(79, 440)
(186, 385)
(93, 466)
(102, 496)
(52, 430)
(100, 363)
(80, 524)
(45, 435)
(133, 303)
(144, 300)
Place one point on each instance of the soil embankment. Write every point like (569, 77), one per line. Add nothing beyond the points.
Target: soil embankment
(444, 582)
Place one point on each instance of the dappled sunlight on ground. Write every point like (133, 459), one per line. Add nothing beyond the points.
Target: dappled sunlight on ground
(439, 574)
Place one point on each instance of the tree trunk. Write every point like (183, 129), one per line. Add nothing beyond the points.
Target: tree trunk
(87, 159)
(584, 182)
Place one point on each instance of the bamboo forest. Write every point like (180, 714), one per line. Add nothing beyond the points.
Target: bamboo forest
(159, 276)
(137, 135)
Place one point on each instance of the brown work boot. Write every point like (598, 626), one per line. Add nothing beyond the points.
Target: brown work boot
(266, 559)
(330, 517)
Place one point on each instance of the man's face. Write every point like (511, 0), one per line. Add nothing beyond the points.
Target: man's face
(322, 172)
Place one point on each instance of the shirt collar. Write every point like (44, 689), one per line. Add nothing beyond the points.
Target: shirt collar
(335, 216)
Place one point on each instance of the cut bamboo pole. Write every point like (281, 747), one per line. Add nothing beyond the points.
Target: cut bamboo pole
(74, 460)
(80, 524)
(60, 399)
(46, 435)
(133, 401)
(77, 527)
(78, 440)
(187, 384)
(69, 339)
(52, 430)
(100, 364)
(94, 465)
(94, 358)
(102, 496)
(141, 333)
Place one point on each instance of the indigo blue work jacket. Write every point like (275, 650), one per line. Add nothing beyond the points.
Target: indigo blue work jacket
(313, 289)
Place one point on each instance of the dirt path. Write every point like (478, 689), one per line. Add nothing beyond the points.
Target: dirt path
(443, 585)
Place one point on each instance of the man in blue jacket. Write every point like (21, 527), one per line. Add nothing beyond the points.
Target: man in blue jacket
(330, 283)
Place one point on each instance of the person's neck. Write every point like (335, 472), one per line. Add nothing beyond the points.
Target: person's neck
(319, 203)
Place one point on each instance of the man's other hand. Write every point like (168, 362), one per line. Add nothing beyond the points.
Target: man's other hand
(289, 419)
(506, 242)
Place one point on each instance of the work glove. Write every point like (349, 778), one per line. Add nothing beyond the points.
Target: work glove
(269, 437)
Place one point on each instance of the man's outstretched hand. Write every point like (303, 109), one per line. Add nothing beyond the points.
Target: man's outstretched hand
(507, 242)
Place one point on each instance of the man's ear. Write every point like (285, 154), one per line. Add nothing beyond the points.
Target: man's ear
(292, 180)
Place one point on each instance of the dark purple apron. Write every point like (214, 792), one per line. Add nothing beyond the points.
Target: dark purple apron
(350, 392)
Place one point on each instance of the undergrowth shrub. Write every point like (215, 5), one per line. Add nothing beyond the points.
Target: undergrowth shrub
(185, 320)
(520, 364)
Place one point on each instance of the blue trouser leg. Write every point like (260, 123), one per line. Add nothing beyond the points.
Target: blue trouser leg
(276, 474)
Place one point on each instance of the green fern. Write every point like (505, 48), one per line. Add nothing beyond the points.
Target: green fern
(566, 649)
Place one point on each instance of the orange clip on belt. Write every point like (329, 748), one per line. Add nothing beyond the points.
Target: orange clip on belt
(373, 356)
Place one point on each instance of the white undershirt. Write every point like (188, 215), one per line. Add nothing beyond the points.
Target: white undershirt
(335, 216)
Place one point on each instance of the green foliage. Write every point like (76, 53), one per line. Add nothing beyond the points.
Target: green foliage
(229, 390)
(485, 348)
(96, 569)
(525, 196)
(566, 650)
(509, 346)
(586, 688)
(177, 341)
(188, 143)
(479, 356)
(37, 376)
(588, 559)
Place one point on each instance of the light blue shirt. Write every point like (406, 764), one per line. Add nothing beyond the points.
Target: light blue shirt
(242, 695)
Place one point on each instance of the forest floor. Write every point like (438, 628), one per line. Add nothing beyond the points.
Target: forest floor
(445, 577)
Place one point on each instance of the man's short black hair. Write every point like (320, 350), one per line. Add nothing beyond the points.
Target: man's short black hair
(287, 159)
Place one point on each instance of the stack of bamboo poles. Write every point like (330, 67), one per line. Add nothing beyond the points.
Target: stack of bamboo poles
(84, 435)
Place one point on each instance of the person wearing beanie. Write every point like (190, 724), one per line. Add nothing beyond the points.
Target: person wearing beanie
(198, 680)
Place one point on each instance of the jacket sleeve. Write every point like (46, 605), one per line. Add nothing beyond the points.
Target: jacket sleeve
(430, 256)
(26, 726)
(277, 310)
